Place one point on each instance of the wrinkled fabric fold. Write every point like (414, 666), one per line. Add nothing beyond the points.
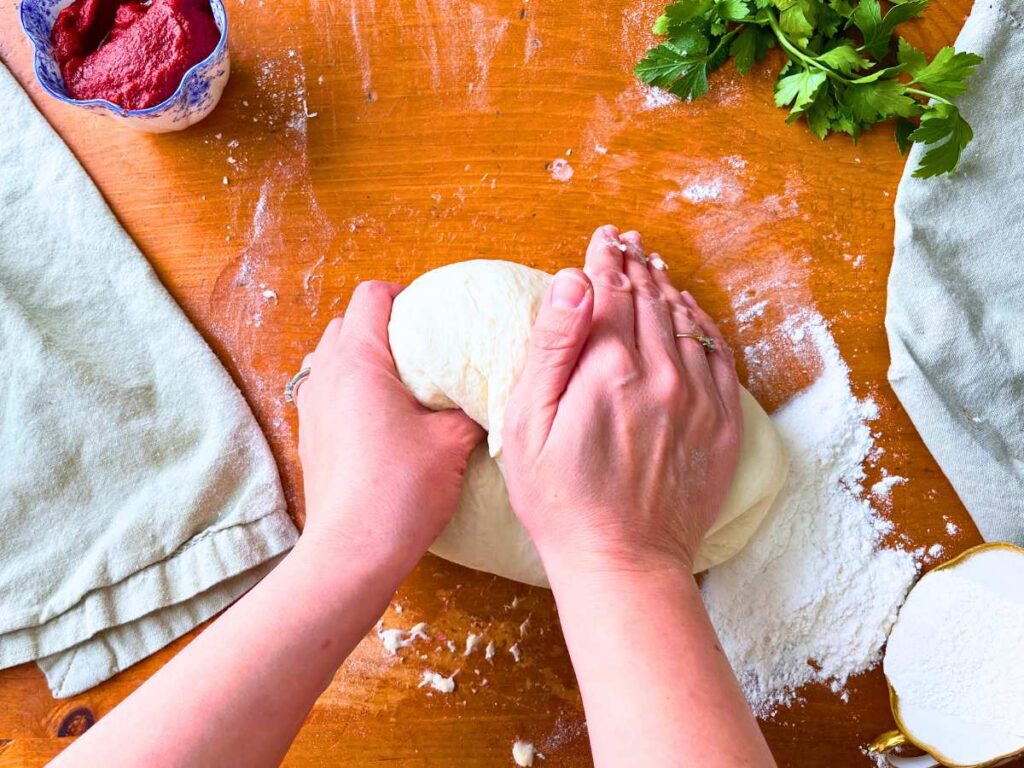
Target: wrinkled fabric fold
(138, 496)
(956, 290)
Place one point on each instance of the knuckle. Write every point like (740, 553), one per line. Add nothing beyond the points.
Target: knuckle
(682, 318)
(666, 385)
(371, 290)
(649, 291)
(612, 279)
(704, 412)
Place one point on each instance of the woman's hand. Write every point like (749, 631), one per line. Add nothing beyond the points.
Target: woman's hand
(620, 444)
(382, 474)
(621, 439)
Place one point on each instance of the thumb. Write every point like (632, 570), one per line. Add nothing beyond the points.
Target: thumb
(559, 333)
(458, 430)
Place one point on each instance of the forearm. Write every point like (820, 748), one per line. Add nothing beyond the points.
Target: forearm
(238, 694)
(657, 688)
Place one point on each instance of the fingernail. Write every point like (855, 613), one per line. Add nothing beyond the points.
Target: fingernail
(658, 263)
(568, 290)
(688, 299)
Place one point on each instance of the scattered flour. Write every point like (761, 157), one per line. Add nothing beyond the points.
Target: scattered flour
(952, 528)
(487, 37)
(361, 50)
(516, 653)
(813, 595)
(656, 98)
(877, 758)
(698, 192)
(736, 162)
(883, 488)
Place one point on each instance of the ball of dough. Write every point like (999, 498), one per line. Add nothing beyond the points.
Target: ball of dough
(459, 336)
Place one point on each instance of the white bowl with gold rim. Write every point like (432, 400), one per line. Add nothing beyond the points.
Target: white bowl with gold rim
(950, 664)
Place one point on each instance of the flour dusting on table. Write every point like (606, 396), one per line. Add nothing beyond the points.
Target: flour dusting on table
(814, 594)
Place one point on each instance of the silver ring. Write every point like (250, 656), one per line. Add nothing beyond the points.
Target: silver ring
(705, 341)
(291, 389)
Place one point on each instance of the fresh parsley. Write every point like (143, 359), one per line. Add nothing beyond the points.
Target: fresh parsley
(841, 72)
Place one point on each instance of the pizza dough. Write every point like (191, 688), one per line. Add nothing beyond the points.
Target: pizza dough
(459, 336)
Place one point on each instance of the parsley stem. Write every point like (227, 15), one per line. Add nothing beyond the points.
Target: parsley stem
(810, 61)
(926, 95)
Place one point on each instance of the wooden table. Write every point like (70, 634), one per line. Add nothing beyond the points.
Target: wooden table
(380, 138)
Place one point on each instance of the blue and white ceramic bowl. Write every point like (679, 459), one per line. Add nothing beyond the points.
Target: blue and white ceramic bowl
(195, 98)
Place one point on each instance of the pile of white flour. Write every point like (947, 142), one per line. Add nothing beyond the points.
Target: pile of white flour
(813, 595)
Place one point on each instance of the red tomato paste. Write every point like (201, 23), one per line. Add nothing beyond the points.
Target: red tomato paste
(131, 53)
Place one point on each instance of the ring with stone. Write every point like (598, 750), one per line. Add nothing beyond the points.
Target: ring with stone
(705, 341)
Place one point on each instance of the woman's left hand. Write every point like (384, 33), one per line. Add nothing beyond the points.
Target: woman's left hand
(382, 473)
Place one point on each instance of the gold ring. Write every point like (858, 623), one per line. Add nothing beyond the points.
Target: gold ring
(291, 389)
(705, 341)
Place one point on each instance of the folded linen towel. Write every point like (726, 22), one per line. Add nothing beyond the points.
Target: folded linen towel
(138, 496)
(956, 289)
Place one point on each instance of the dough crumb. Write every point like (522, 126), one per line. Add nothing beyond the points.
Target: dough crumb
(472, 641)
(560, 170)
(523, 753)
(437, 682)
(516, 653)
(489, 651)
(394, 639)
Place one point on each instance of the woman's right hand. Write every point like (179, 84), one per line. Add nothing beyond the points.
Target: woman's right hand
(620, 439)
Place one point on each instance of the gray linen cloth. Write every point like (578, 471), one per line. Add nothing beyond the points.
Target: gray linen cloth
(955, 314)
(138, 496)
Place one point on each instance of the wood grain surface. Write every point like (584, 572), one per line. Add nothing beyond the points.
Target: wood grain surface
(380, 138)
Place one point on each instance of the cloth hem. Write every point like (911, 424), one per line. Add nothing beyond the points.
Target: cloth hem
(192, 570)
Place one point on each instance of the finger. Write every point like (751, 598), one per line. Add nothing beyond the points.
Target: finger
(691, 354)
(331, 333)
(653, 324)
(720, 360)
(613, 299)
(367, 317)
(559, 333)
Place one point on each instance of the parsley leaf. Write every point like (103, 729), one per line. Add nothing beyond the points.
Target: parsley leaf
(839, 75)
(844, 58)
(903, 130)
(799, 89)
(750, 47)
(944, 128)
(880, 100)
(947, 73)
(878, 29)
(673, 60)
